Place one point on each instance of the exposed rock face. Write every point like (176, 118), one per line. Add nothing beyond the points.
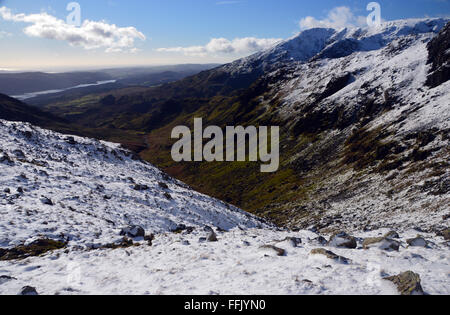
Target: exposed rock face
(439, 57)
(408, 283)
(35, 248)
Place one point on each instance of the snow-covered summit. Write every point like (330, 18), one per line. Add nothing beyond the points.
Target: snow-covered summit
(83, 190)
(334, 43)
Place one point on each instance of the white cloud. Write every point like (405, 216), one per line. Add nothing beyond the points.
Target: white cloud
(91, 34)
(337, 18)
(224, 46)
(5, 34)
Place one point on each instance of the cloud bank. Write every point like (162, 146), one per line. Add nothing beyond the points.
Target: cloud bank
(91, 34)
(337, 18)
(224, 46)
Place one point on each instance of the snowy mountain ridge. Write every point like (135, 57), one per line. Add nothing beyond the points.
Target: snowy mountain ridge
(322, 41)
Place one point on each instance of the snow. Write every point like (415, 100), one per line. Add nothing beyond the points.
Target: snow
(234, 265)
(91, 185)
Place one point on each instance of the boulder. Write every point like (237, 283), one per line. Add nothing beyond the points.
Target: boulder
(408, 283)
(28, 291)
(383, 243)
(212, 237)
(418, 241)
(330, 255)
(133, 231)
(342, 240)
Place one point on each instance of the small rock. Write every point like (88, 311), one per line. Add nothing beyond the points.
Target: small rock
(408, 283)
(70, 140)
(330, 255)
(185, 243)
(163, 185)
(168, 196)
(212, 237)
(139, 187)
(7, 190)
(46, 201)
(342, 240)
(418, 241)
(28, 291)
(149, 239)
(278, 251)
(133, 231)
(383, 243)
(202, 240)
(445, 234)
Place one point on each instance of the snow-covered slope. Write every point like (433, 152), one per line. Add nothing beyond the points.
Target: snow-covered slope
(236, 264)
(84, 191)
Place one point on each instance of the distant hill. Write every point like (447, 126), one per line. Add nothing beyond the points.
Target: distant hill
(15, 110)
(28, 82)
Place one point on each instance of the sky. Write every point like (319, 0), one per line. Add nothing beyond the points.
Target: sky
(37, 35)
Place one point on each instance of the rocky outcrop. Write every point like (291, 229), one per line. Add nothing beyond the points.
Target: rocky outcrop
(439, 58)
(408, 283)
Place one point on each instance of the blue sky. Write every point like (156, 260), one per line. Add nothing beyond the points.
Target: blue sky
(171, 31)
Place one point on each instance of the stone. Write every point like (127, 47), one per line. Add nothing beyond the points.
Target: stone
(383, 243)
(139, 187)
(418, 241)
(342, 240)
(408, 283)
(330, 255)
(46, 201)
(28, 291)
(133, 231)
(212, 237)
